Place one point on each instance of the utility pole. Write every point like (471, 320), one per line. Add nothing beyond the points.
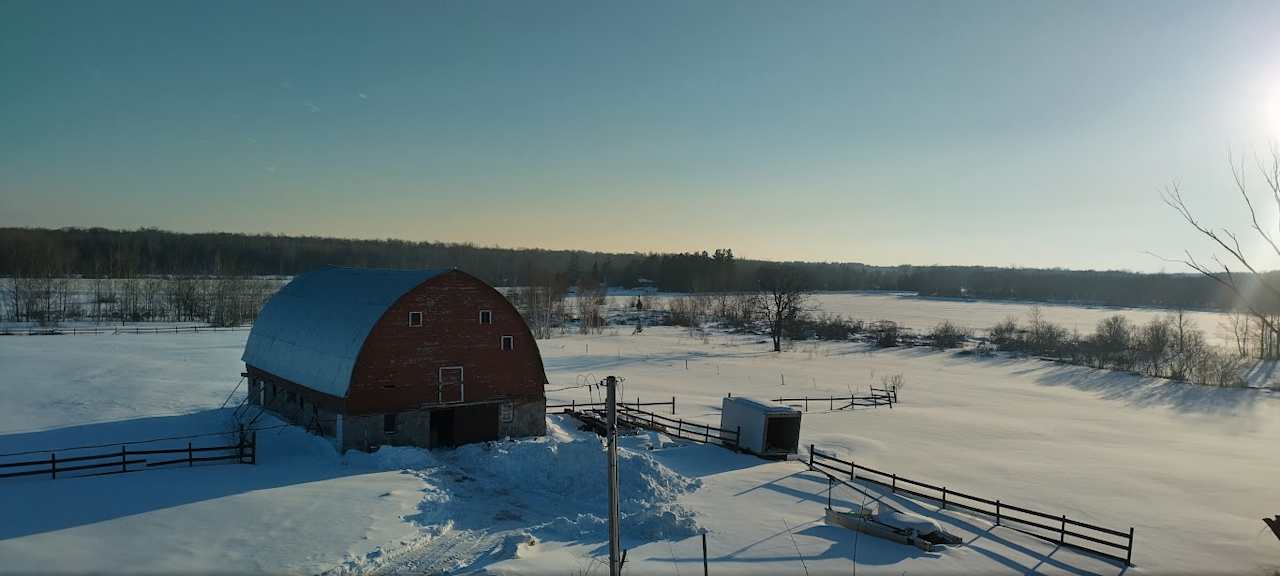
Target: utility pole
(611, 423)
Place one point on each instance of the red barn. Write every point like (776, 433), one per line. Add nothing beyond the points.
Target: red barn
(405, 357)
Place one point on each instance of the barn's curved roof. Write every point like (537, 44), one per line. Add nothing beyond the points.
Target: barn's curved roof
(311, 331)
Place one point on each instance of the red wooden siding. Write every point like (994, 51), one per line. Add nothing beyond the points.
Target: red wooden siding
(399, 367)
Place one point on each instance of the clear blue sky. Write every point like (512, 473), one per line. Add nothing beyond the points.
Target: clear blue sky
(1020, 133)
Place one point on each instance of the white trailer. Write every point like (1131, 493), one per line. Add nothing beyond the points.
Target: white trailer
(765, 428)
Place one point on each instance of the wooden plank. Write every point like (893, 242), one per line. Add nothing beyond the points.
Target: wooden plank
(92, 466)
(27, 463)
(182, 450)
(27, 473)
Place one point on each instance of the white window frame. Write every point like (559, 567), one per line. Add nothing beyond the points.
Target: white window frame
(502, 344)
(482, 314)
(420, 317)
(462, 383)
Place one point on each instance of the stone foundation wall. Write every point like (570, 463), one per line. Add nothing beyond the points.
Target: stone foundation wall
(516, 418)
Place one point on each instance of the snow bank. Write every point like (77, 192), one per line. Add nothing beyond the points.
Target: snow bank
(496, 501)
(566, 482)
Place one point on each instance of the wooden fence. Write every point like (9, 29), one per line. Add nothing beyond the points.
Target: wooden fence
(677, 428)
(574, 405)
(877, 397)
(243, 452)
(1088, 537)
(680, 428)
(84, 330)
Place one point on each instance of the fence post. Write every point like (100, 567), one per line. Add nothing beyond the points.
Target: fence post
(53, 466)
(673, 404)
(1128, 552)
(853, 471)
(831, 403)
(704, 552)
(680, 428)
(737, 438)
(811, 456)
(806, 403)
(190, 461)
(997, 512)
(124, 459)
(830, 489)
(944, 497)
(1062, 535)
(253, 441)
(894, 486)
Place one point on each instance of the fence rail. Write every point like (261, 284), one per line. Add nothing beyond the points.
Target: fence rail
(877, 397)
(574, 405)
(243, 452)
(629, 415)
(86, 330)
(681, 428)
(1093, 535)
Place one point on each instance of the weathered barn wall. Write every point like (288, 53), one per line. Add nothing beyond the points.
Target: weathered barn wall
(294, 403)
(365, 432)
(399, 365)
(471, 423)
(529, 418)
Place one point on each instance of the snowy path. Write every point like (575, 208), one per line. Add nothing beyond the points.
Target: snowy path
(449, 551)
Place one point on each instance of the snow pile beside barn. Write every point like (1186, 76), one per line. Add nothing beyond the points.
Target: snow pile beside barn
(488, 502)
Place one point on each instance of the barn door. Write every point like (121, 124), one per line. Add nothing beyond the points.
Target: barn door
(450, 384)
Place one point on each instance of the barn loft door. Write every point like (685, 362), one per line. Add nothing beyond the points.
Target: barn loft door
(450, 384)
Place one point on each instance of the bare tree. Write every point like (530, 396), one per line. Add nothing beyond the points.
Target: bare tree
(783, 292)
(1237, 273)
(541, 303)
(590, 301)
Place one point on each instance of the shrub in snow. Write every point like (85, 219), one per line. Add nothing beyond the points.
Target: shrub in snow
(885, 333)
(1004, 335)
(947, 335)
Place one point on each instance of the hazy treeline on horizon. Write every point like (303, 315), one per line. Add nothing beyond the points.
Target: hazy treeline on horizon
(103, 253)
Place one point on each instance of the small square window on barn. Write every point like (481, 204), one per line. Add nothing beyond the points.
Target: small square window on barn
(508, 343)
(486, 317)
(389, 424)
(415, 318)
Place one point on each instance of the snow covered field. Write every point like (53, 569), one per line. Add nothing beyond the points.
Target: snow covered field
(1192, 468)
(922, 313)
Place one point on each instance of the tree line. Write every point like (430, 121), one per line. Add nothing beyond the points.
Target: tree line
(216, 300)
(103, 253)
